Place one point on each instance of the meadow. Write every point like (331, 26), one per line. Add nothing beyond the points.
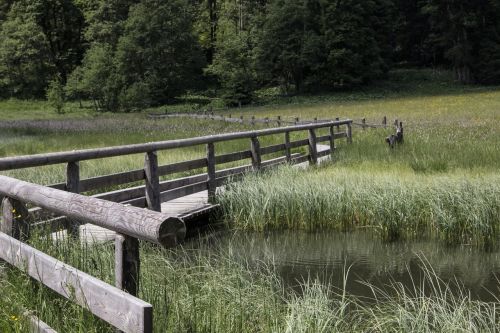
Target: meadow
(441, 183)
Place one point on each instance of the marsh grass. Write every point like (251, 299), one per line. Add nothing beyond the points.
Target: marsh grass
(204, 287)
(457, 208)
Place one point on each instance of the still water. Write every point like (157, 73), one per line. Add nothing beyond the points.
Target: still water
(298, 256)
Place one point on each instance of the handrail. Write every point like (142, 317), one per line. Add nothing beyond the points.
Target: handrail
(26, 161)
(135, 222)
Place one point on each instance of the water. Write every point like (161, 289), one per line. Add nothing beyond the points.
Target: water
(298, 256)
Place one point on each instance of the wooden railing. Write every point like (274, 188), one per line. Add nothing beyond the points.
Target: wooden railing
(115, 210)
(154, 192)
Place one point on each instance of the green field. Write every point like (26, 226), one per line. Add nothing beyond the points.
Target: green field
(442, 183)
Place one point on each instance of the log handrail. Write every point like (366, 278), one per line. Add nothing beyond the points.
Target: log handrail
(135, 222)
(26, 161)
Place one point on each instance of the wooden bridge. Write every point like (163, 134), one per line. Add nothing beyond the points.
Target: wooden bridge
(120, 216)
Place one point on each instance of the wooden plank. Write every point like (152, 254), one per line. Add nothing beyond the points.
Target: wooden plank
(324, 153)
(255, 148)
(114, 306)
(8, 163)
(127, 264)
(36, 325)
(152, 180)
(332, 140)
(73, 186)
(288, 152)
(349, 132)
(340, 135)
(231, 157)
(52, 225)
(313, 149)
(96, 183)
(58, 186)
(323, 138)
(139, 223)
(299, 143)
(211, 181)
(183, 191)
(15, 219)
(272, 149)
(182, 166)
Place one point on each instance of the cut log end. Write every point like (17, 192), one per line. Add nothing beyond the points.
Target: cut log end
(172, 232)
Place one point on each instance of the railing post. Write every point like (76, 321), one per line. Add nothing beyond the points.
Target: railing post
(313, 149)
(363, 121)
(349, 133)
(211, 181)
(256, 158)
(296, 120)
(15, 218)
(288, 151)
(338, 126)
(127, 263)
(332, 140)
(384, 121)
(73, 186)
(152, 181)
(279, 121)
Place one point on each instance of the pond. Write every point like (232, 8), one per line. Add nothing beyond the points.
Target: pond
(326, 256)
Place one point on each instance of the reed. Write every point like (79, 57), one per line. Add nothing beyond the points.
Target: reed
(457, 208)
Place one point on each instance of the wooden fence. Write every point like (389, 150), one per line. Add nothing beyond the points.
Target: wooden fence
(115, 210)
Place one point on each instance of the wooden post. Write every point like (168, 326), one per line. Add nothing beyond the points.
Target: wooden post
(363, 121)
(288, 151)
(349, 133)
(338, 127)
(15, 218)
(127, 263)
(152, 181)
(73, 186)
(211, 181)
(256, 158)
(315, 119)
(384, 121)
(296, 120)
(313, 149)
(279, 121)
(332, 140)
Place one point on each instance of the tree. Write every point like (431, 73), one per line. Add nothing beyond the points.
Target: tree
(25, 65)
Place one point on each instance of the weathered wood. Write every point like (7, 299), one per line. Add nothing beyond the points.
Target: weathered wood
(127, 264)
(152, 181)
(73, 186)
(211, 181)
(51, 225)
(36, 325)
(332, 139)
(182, 166)
(323, 138)
(15, 219)
(338, 125)
(384, 121)
(363, 123)
(340, 135)
(139, 223)
(349, 133)
(18, 162)
(288, 151)
(272, 149)
(100, 182)
(255, 148)
(278, 120)
(183, 191)
(324, 152)
(58, 186)
(313, 149)
(231, 157)
(299, 143)
(114, 306)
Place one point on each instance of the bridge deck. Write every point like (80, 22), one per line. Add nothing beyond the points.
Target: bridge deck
(183, 206)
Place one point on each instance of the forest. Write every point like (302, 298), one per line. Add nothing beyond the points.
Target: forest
(125, 55)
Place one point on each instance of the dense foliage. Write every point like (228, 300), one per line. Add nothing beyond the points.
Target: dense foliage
(130, 54)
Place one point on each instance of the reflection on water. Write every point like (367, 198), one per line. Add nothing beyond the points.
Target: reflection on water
(298, 256)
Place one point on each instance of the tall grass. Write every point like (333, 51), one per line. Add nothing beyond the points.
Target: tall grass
(213, 291)
(457, 208)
